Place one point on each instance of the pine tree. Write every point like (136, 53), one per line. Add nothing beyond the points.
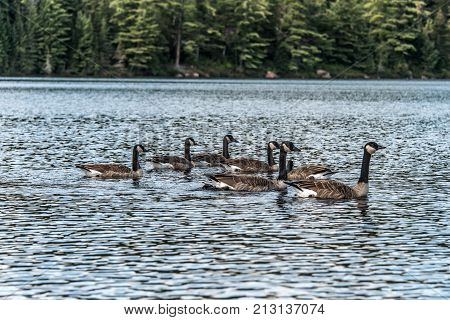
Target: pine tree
(393, 28)
(206, 31)
(298, 41)
(137, 33)
(347, 28)
(53, 33)
(247, 41)
(83, 57)
(441, 37)
(6, 42)
(26, 46)
(430, 56)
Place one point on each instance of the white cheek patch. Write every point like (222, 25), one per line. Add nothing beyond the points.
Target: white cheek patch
(286, 148)
(370, 149)
(272, 146)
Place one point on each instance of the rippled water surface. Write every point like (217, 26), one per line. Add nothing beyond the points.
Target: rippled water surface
(66, 236)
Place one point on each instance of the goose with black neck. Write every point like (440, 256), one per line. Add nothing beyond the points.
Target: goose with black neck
(113, 170)
(332, 189)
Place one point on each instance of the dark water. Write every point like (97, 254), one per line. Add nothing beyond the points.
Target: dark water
(65, 236)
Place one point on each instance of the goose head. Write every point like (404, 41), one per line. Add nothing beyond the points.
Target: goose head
(229, 138)
(139, 148)
(288, 146)
(372, 147)
(189, 142)
(272, 145)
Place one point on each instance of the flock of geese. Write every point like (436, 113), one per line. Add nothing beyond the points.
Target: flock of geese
(240, 175)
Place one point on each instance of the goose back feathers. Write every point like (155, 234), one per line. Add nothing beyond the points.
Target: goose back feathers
(310, 172)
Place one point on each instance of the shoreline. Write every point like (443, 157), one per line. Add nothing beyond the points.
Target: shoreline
(112, 78)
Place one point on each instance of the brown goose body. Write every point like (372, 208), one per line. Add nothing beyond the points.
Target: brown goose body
(247, 183)
(255, 183)
(249, 165)
(113, 170)
(175, 162)
(329, 189)
(309, 172)
(172, 162)
(214, 159)
(109, 170)
(332, 189)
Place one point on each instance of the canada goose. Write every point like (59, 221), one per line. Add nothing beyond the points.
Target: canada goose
(214, 159)
(255, 183)
(332, 189)
(252, 165)
(174, 162)
(112, 170)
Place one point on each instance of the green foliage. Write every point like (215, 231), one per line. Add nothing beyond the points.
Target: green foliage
(248, 43)
(138, 32)
(393, 29)
(298, 39)
(225, 37)
(83, 60)
(53, 27)
(348, 31)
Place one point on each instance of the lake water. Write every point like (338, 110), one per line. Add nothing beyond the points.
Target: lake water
(164, 237)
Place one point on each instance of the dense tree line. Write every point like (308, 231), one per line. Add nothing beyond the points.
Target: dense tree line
(393, 38)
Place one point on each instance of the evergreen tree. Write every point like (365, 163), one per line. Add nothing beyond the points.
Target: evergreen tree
(6, 32)
(393, 28)
(53, 23)
(348, 30)
(83, 58)
(248, 43)
(206, 32)
(441, 36)
(298, 41)
(293, 37)
(430, 55)
(26, 46)
(137, 33)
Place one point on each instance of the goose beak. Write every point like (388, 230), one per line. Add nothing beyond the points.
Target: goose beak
(296, 149)
(235, 141)
(381, 147)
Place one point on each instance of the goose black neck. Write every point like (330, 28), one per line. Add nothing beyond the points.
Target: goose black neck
(364, 177)
(187, 151)
(270, 159)
(135, 160)
(225, 152)
(282, 173)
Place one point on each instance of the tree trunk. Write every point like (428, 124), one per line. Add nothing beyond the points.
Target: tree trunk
(179, 31)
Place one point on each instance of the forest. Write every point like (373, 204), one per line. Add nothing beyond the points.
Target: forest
(226, 38)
